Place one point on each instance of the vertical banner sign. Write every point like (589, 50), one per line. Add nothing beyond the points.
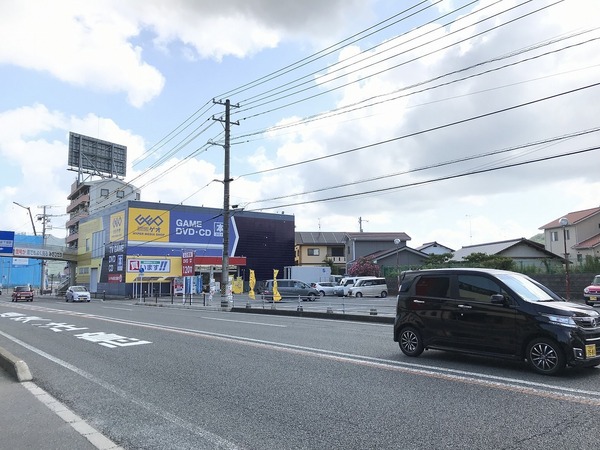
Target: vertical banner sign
(252, 284)
(187, 264)
(276, 294)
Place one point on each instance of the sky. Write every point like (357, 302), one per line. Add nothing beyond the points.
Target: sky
(456, 121)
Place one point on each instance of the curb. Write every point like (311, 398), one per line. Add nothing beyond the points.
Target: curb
(14, 366)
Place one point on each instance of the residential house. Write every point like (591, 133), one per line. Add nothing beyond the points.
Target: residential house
(578, 236)
(389, 249)
(313, 248)
(524, 252)
(434, 248)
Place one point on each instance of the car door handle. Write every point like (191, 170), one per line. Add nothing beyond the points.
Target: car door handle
(465, 306)
(418, 301)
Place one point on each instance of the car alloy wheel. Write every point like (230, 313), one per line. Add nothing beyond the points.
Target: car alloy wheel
(545, 356)
(410, 342)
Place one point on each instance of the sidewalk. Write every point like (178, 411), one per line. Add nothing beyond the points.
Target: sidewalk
(31, 418)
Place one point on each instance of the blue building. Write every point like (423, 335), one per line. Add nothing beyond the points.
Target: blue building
(20, 271)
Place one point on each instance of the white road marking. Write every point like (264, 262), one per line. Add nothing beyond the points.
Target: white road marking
(96, 438)
(213, 439)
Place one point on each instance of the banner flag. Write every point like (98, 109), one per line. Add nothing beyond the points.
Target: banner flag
(276, 294)
(252, 284)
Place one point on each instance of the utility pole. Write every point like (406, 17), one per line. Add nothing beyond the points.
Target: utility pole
(360, 222)
(226, 180)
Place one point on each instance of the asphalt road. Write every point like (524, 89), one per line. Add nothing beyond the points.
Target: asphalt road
(165, 378)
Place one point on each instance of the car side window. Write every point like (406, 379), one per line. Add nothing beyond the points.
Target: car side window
(433, 286)
(478, 288)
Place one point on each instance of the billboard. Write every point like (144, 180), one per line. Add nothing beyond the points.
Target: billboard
(95, 156)
(7, 242)
(200, 231)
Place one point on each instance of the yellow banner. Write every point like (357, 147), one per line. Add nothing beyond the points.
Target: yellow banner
(276, 294)
(148, 225)
(252, 284)
(117, 226)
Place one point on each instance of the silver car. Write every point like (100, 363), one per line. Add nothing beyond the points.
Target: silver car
(78, 294)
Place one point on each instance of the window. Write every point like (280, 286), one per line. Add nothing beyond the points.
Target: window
(137, 196)
(120, 194)
(554, 236)
(433, 287)
(313, 252)
(567, 235)
(475, 287)
(104, 192)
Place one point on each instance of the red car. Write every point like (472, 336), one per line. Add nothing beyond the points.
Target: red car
(22, 293)
(592, 292)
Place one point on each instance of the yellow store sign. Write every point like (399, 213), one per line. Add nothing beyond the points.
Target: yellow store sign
(117, 226)
(148, 225)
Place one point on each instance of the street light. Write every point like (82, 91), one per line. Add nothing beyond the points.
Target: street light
(397, 242)
(564, 222)
(30, 216)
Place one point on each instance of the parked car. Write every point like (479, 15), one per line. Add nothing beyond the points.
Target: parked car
(592, 292)
(494, 313)
(289, 290)
(22, 293)
(78, 294)
(345, 284)
(325, 288)
(369, 287)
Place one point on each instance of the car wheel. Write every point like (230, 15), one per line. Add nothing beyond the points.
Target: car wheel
(322, 293)
(88, 301)
(545, 356)
(312, 297)
(358, 294)
(67, 299)
(383, 294)
(410, 342)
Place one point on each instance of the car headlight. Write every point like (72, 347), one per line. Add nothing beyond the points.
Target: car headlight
(586, 291)
(561, 320)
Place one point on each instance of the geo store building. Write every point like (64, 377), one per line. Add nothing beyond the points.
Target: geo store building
(137, 246)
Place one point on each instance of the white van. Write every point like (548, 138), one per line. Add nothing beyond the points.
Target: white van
(374, 287)
(346, 283)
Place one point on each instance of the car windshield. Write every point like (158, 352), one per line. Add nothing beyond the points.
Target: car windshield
(527, 289)
(79, 289)
(22, 289)
(596, 281)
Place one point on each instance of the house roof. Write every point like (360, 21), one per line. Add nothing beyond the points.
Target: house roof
(496, 248)
(391, 251)
(592, 242)
(433, 244)
(378, 236)
(572, 217)
(319, 238)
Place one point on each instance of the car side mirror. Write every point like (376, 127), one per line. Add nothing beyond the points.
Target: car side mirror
(499, 299)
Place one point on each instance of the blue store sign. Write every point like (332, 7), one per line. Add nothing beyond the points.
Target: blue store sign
(7, 242)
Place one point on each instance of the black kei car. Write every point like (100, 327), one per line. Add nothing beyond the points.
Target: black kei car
(494, 313)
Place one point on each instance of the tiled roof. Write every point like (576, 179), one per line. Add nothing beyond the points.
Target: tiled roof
(378, 236)
(433, 244)
(495, 248)
(592, 242)
(572, 217)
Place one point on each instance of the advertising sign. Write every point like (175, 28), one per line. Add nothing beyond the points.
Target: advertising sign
(149, 265)
(196, 228)
(115, 256)
(148, 225)
(7, 242)
(187, 264)
(117, 226)
(37, 253)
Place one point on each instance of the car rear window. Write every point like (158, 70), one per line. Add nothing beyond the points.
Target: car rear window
(432, 286)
